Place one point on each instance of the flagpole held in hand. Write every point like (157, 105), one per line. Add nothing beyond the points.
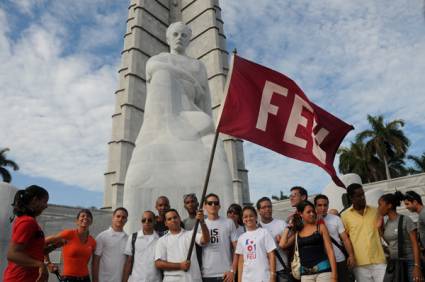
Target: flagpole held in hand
(204, 192)
(207, 177)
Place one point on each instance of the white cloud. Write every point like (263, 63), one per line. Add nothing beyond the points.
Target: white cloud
(56, 108)
(58, 78)
(352, 59)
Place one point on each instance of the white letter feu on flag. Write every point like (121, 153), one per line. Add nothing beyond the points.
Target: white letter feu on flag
(269, 109)
(266, 107)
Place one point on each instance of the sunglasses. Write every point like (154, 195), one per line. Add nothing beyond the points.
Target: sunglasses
(148, 220)
(215, 203)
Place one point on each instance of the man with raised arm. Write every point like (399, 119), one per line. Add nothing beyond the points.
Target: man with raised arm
(217, 255)
(172, 249)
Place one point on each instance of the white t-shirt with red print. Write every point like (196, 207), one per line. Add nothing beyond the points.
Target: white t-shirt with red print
(254, 247)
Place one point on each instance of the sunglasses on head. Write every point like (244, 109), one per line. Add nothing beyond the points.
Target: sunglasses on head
(215, 203)
(149, 220)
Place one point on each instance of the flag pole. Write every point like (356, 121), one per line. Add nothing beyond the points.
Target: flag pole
(207, 177)
(204, 192)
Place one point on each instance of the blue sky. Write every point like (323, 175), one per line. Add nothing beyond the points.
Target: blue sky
(59, 72)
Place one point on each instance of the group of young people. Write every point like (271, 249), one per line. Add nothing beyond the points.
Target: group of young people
(312, 244)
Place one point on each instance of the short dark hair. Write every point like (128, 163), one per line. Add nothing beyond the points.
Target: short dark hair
(171, 210)
(251, 208)
(351, 189)
(258, 205)
(211, 195)
(120, 209)
(162, 197)
(300, 190)
(190, 195)
(86, 211)
(320, 196)
(151, 212)
(413, 196)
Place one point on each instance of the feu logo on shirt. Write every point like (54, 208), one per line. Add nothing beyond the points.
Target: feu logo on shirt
(251, 248)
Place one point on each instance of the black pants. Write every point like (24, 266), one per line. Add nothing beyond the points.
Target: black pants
(344, 274)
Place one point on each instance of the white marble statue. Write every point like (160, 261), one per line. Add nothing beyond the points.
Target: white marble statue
(174, 143)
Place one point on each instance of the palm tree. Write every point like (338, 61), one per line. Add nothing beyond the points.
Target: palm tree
(358, 159)
(386, 140)
(398, 167)
(4, 162)
(419, 163)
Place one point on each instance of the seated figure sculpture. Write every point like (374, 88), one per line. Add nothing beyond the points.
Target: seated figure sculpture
(174, 143)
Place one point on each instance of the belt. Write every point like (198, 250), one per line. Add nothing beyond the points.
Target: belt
(322, 266)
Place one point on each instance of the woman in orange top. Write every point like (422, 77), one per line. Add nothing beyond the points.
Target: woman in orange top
(78, 248)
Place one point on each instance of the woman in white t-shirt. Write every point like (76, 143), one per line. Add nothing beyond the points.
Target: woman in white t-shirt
(256, 248)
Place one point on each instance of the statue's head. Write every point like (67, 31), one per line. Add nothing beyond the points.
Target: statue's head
(178, 37)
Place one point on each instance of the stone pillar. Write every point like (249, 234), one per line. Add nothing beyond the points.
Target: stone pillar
(145, 36)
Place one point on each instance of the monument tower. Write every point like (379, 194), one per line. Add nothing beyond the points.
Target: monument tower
(145, 37)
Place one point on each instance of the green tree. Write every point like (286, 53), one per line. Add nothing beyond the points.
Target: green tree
(385, 140)
(4, 162)
(358, 159)
(418, 162)
(397, 167)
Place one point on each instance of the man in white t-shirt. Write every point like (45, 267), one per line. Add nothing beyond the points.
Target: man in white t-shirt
(275, 227)
(109, 258)
(172, 249)
(140, 253)
(337, 232)
(217, 255)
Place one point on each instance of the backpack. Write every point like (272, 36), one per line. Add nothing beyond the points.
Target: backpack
(133, 249)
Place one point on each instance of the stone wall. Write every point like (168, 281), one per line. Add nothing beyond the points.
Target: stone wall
(281, 209)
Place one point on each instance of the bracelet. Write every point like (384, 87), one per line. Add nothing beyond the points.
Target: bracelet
(417, 265)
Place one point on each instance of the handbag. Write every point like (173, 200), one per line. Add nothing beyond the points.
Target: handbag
(396, 270)
(296, 264)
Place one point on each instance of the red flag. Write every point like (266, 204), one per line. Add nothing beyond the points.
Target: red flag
(269, 109)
